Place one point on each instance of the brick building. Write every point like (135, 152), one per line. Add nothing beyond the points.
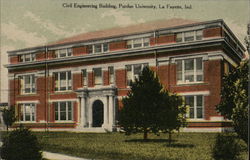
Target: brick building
(77, 83)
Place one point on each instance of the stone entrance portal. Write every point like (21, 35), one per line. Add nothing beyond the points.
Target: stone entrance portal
(97, 114)
(97, 109)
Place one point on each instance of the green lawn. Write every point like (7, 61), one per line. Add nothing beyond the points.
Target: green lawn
(186, 146)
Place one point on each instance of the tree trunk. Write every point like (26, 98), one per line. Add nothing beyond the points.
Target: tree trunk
(7, 126)
(169, 138)
(145, 134)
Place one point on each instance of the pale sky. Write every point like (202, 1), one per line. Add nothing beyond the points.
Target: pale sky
(27, 23)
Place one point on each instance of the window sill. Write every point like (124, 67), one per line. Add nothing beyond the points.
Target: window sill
(27, 94)
(190, 83)
(66, 91)
(70, 121)
(26, 122)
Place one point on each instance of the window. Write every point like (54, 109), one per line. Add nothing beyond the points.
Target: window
(27, 84)
(27, 112)
(189, 36)
(195, 106)
(63, 53)
(137, 43)
(98, 76)
(111, 75)
(189, 70)
(98, 48)
(27, 57)
(84, 77)
(63, 111)
(62, 81)
(133, 71)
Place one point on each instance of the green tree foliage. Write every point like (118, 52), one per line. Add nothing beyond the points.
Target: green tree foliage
(21, 144)
(148, 107)
(172, 115)
(234, 99)
(226, 148)
(9, 117)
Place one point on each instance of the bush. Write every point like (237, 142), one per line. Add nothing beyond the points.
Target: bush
(226, 148)
(21, 144)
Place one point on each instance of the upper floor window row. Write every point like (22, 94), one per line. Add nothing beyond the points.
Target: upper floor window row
(98, 48)
(189, 36)
(138, 42)
(66, 52)
(27, 57)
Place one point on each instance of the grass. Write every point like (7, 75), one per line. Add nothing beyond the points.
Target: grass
(117, 146)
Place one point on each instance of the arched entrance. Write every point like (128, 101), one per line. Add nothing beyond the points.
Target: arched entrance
(97, 113)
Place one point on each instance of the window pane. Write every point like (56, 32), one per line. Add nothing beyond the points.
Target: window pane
(137, 43)
(63, 111)
(84, 77)
(90, 49)
(129, 74)
(199, 63)
(105, 47)
(69, 111)
(111, 75)
(137, 70)
(199, 35)
(189, 100)
(69, 51)
(27, 112)
(98, 75)
(145, 42)
(191, 112)
(129, 44)
(199, 101)
(189, 36)
(179, 37)
(199, 113)
(189, 64)
(62, 53)
(22, 112)
(98, 48)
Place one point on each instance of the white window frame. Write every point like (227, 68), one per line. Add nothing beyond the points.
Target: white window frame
(68, 82)
(67, 111)
(23, 112)
(102, 48)
(194, 36)
(195, 107)
(31, 56)
(84, 79)
(111, 76)
(101, 83)
(132, 71)
(142, 42)
(68, 52)
(31, 85)
(195, 73)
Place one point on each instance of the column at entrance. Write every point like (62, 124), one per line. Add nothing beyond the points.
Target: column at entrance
(111, 111)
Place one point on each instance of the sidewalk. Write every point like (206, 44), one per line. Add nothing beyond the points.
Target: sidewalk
(57, 156)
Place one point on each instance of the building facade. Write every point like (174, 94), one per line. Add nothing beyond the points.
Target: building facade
(77, 83)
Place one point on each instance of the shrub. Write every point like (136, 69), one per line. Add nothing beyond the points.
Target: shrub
(21, 144)
(226, 148)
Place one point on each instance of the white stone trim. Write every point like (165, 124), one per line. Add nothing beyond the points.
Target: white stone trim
(207, 129)
(63, 100)
(28, 101)
(204, 93)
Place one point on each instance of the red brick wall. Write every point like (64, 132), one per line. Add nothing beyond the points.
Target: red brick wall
(51, 54)
(90, 79)
(120, 77)
(212, 32)
(80, 51)
(163, 39)
(40, 56)
(77, 81)
(114, 46)
(105, 78)
(13, 59)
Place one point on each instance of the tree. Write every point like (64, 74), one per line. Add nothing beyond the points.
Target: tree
(148, 107)
(21, 144)
(9, 117)
(172, 115)
(234, 99)
(226, 147)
